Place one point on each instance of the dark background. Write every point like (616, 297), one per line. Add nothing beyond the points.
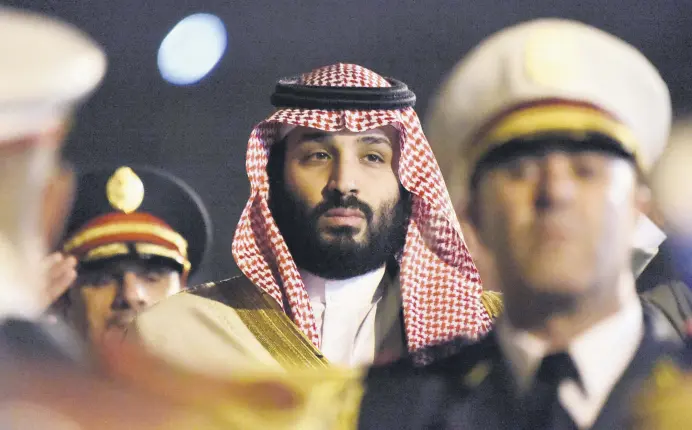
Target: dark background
(200, 132)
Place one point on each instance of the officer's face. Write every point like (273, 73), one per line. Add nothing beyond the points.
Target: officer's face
(558, 220)
(106, 298)
(360, 169)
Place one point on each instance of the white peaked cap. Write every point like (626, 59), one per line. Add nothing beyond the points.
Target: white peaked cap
(547, 75)
(47, 67)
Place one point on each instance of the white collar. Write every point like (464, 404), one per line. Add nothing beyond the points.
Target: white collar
(645, 244)
(647, 235)
(357, 291)
(598, 362)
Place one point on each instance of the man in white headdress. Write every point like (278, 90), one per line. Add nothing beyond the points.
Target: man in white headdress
(349, 247)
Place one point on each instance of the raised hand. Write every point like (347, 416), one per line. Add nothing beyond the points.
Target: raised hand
(61, 272)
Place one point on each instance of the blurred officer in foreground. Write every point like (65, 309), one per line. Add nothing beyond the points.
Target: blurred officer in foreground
(549, 130)
(48, 68)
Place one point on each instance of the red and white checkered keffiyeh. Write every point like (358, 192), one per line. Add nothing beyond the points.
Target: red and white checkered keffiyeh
(440, 286)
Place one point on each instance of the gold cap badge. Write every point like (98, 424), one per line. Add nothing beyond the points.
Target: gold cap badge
(125, 190)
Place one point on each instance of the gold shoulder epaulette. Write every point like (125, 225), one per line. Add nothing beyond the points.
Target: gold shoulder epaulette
(665, 399)
(492, 302)
(206, 285)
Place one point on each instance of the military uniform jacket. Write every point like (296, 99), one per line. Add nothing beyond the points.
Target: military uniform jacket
(474, 388)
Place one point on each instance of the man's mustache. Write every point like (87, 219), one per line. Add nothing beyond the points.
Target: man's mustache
(121, 319)
(338, 202)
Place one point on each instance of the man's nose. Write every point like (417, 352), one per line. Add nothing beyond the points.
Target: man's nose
(557, 184)
(132, 293)
(344, 177)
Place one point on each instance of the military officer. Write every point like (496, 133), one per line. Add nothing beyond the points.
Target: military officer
(137, 234)
(546, 133)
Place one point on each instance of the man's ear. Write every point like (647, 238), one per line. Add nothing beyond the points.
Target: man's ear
(470, 236)
(58, 197)
(643, 203)
(472, 210)
(467, 213)
(646, 205)
(473, 215)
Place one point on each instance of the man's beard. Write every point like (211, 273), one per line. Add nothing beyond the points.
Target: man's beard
(342, 257)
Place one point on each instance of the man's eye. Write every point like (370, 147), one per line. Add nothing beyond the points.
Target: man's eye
(589, 166)
(374, 158)
(97, 280)
(318, 156)
(153, 276)
(585, 171)
(521, 168)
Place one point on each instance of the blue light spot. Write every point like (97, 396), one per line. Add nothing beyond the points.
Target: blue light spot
(191, 49)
